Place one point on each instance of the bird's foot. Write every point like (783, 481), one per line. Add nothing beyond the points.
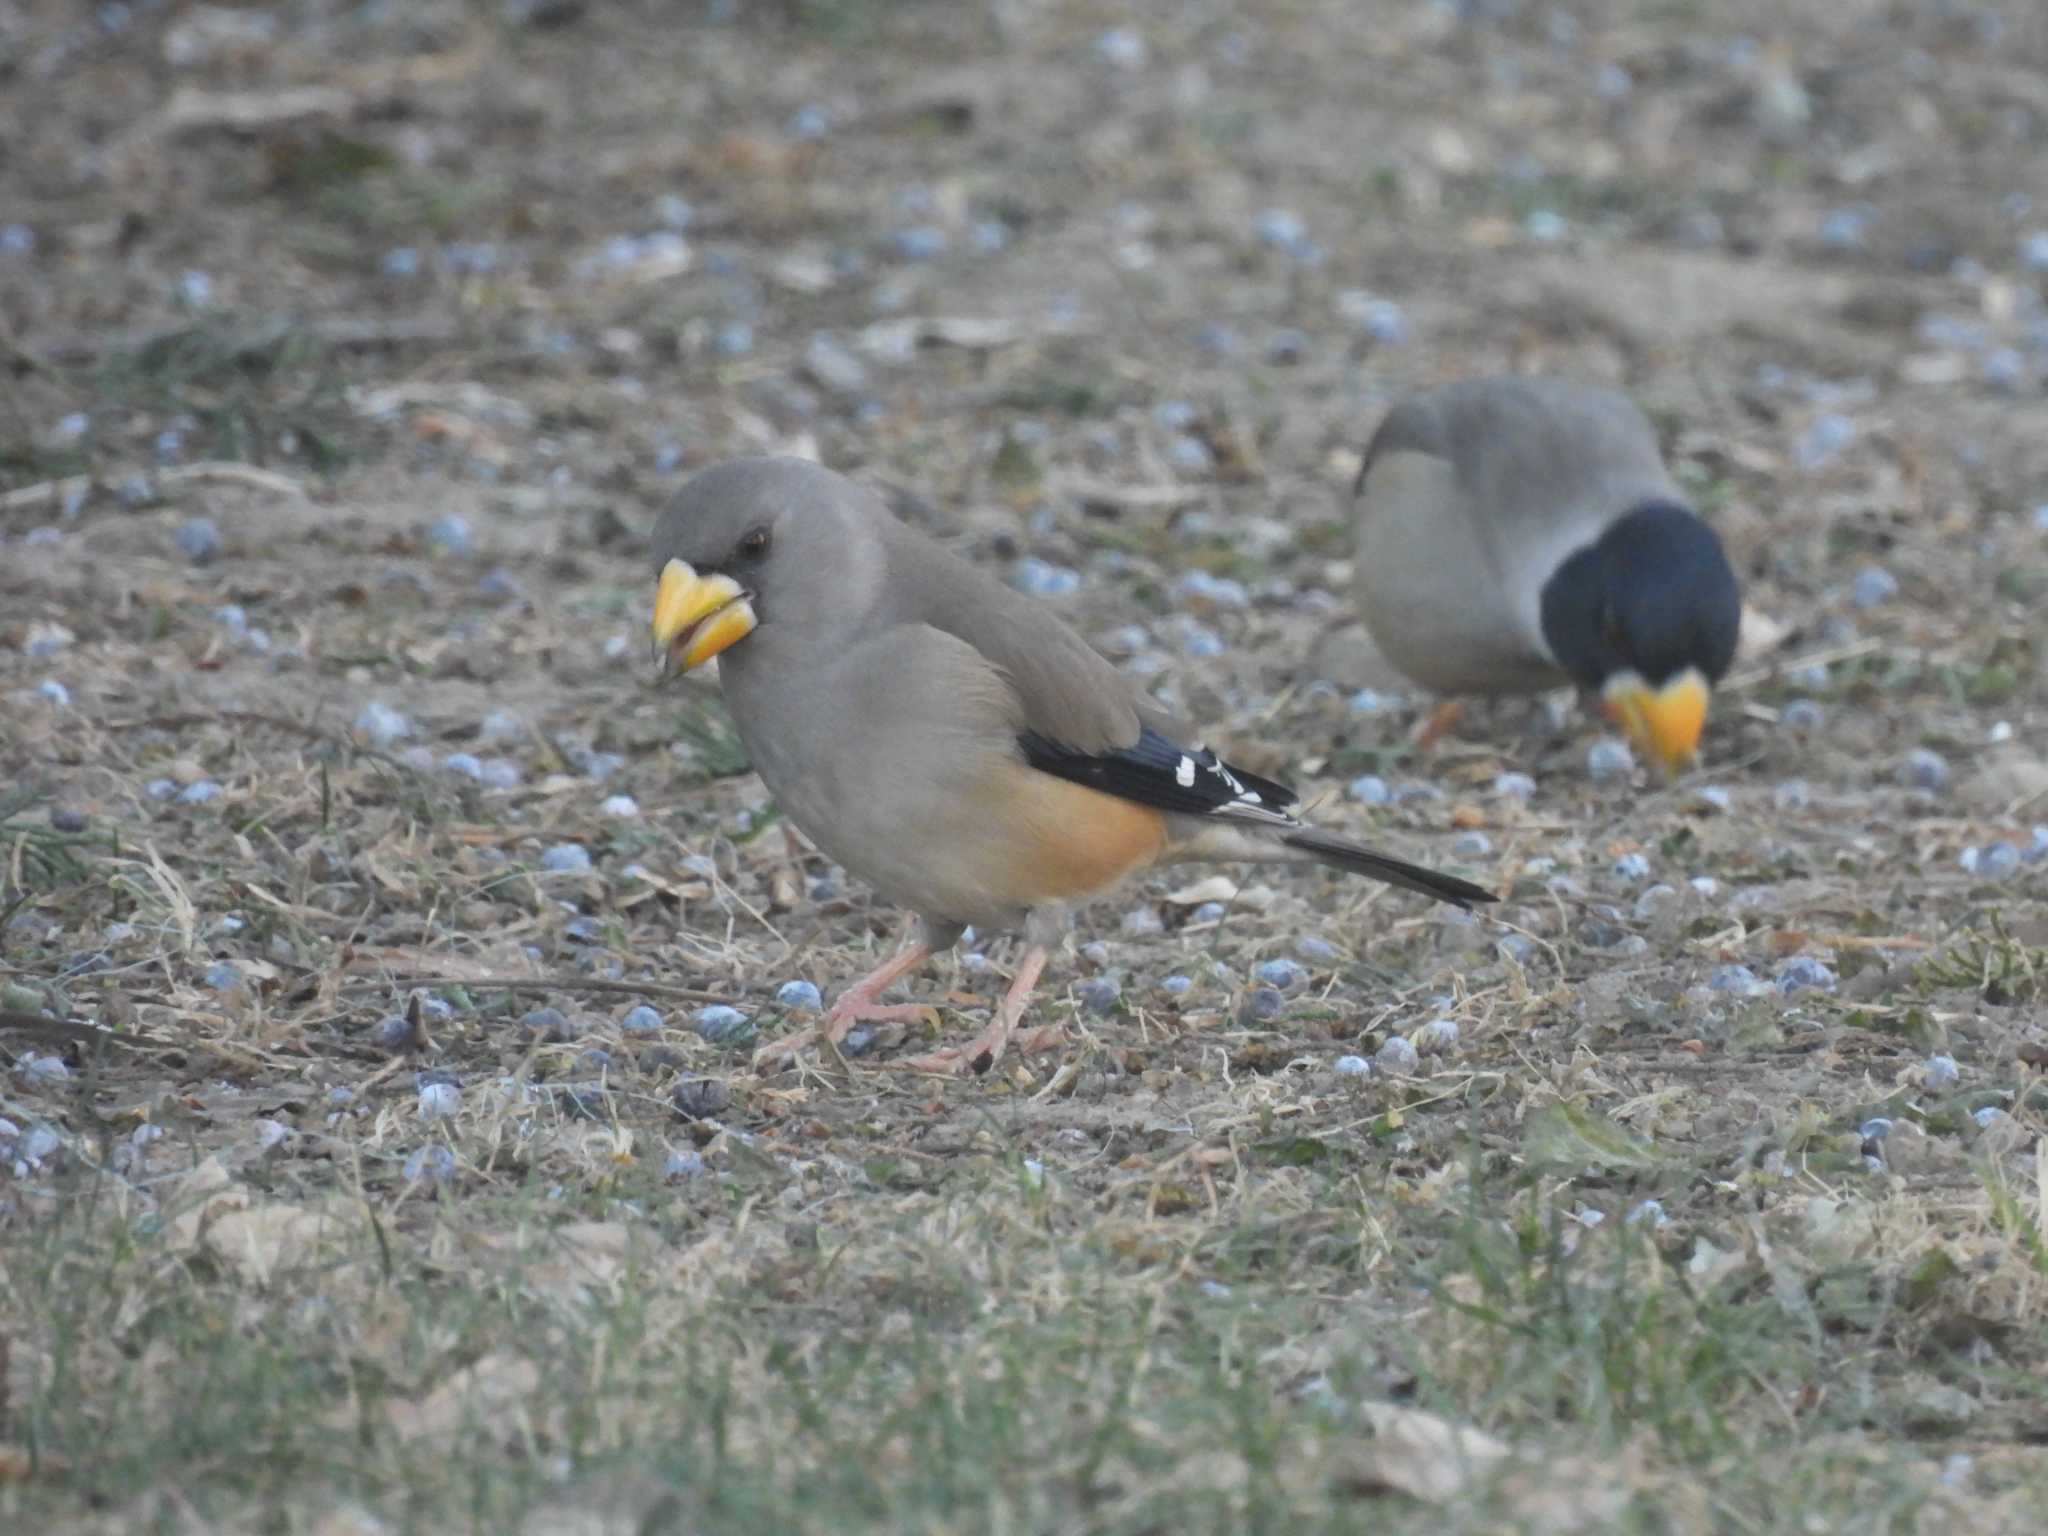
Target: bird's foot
(980, 1054)
(857, 1003)
(840, 1018)
(1439, 723)
(986, 1048)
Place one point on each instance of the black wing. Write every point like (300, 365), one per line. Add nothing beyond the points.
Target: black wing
(1159, 772)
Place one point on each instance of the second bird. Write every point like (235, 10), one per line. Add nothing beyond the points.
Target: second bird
(1515, 534)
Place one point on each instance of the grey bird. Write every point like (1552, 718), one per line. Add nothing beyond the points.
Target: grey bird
(1516, 534)
(946, 739)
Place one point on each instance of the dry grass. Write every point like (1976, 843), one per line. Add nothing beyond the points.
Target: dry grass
(263, 1266)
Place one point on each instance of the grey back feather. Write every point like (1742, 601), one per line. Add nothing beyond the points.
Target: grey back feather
(1070, 692)
(1532, 447)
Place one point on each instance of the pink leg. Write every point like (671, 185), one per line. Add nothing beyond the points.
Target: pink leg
(986, 1049)
(1439, 723)
(856, 1003)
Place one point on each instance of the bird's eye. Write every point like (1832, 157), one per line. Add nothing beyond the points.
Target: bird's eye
(755, 544)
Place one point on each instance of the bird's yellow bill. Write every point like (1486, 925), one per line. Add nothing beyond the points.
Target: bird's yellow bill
(1663, 722)
(696, 617)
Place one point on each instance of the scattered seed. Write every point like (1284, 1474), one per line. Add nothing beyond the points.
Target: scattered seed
(1368, 789)
(1397, 1057)
(686, 1163)
(439, 1100)
(1924, 769)
(432, 1162)
(1436, 1037)
(1039, 578)
(1803, 973)
(1280, 228)
(1098, 994)
(1823, 440)
(1656, 899)
(1284, 974)
(1260, 1004)
(1608, 760)
(1121, 48)
(382, 725)
(391, 1033)
(701, 1098)
(1739, 979)
(799, 996)
(44, 1071)
(721, 1025)
(548, 1024)
(1872, 586)
(198, 539)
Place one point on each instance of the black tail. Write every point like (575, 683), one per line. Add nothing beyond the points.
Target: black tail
(1357, 859)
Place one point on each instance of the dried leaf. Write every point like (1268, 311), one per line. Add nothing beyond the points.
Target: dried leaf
(202, 1196)
(1214, 888)
(488, 1392)
(1567, 1135)
(249, 112)
(973, 333)
(350, 1520)
(263, 1241)
(18, 1464)
(1421, 1455)
(1431, 1459)
(1759, 635)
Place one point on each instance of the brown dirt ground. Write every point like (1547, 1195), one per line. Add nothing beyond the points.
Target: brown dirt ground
(530, 381)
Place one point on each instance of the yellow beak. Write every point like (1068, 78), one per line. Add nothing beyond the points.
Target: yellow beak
(1663, 723)
(696, 617)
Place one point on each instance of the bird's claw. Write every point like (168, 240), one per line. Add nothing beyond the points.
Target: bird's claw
(840, 1018)
(979, 1055)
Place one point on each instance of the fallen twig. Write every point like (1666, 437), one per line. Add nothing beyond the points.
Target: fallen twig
(257, 717)
(41, 1026)
(1130, 498)
(342, 334)
(1850, 940)
(247, 476)
(1846, 652)
(548, 984)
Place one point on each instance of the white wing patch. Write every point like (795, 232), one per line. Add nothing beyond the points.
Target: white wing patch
(1184, 775)
(1244, 804)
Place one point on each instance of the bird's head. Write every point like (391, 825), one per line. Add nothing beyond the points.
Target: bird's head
(742, 541)
(1646, 618)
